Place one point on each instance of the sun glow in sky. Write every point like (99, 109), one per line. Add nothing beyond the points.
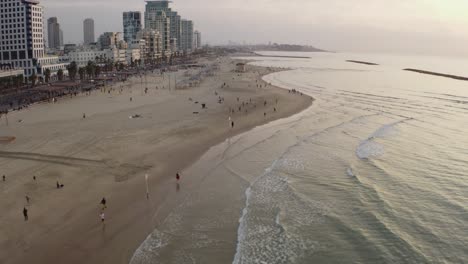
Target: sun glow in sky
(406, 26)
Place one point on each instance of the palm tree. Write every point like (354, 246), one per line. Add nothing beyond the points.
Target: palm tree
(90, 69)
(33, 79)
(72, 69)
(60, 75)
(81, 72)
(121, 66)
(97, 71)
(109, 66)
(47, 75)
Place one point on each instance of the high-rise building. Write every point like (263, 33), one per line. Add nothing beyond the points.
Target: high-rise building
(160, 22)
(131, 25)
(152, 48)
(22, 34)
(197, 42)
(110, 40)
(88, 31)
(61, 37)
(53, 33)
(22, 38)
(186, 35)
(156, 9)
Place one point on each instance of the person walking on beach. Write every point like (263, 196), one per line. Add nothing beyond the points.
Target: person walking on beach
(25, 214)
(4, 178)
(27, 199)
(177, 177)
(103, 203)
(232, 124)
(103, 217)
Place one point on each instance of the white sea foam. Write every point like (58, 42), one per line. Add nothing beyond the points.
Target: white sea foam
(369, 148)
(149, 249)
(241, 230)
(262, 236)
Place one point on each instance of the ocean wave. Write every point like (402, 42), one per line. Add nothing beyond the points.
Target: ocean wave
(271, 224)
(369, 148)
(149, 249)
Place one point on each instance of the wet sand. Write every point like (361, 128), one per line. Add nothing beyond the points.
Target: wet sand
(107, 155)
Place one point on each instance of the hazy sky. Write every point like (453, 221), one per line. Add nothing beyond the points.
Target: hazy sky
(401, 26)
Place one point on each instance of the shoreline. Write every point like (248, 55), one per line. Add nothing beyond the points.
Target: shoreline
(75, 235)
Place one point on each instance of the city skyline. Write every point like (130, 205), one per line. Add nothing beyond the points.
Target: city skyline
(325, 24)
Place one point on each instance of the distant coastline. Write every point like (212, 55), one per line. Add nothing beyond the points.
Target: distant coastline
(281, 56)
(288, 47)
(274, 47)
(461, 78)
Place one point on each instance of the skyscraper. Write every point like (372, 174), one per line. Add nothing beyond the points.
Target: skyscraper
(53, 33)
(158, 21)
(186, 35)
(154, 12)
(197, 43)
(88, 31)
(23, 41)
(131, 25)
(61, 37)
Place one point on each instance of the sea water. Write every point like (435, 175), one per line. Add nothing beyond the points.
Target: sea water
(376, 171)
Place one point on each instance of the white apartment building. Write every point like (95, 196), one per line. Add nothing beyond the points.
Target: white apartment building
(197, 42)
(21, 35)
(81, 57)
(158, 20)
(140, 45)
(117, 55)
(153, 44)
(132, 55)
(156, 8)
(53, 63)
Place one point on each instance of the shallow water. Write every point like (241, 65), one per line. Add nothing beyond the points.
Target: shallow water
(374, 172)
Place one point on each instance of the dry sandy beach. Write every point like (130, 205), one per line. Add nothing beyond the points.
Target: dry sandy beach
(107, 154)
